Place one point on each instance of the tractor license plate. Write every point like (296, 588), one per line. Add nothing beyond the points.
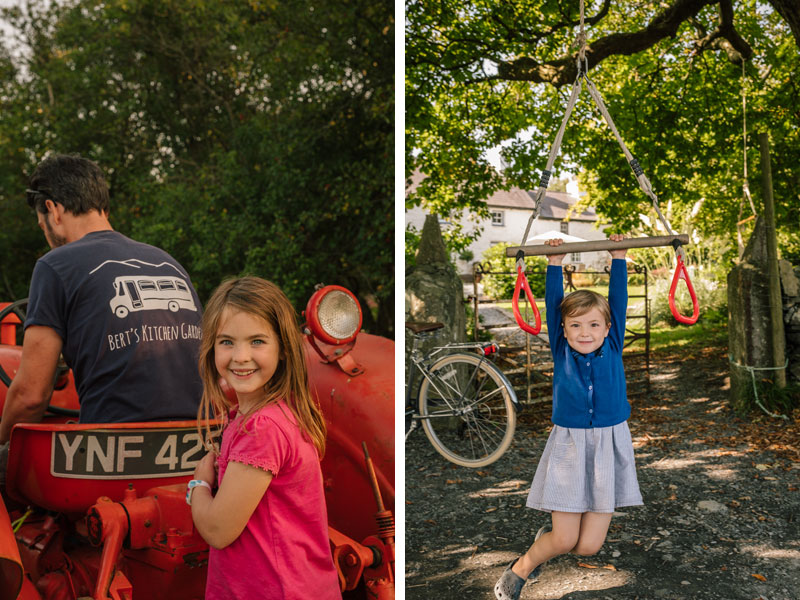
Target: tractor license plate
(125, 454)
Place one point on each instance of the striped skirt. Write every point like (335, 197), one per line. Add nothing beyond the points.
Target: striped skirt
(586, 470)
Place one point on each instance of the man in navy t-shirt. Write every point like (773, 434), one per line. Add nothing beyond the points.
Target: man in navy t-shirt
(124, 314)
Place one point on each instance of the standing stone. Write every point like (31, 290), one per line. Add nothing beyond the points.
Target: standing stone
(749, 319)
(434, 291)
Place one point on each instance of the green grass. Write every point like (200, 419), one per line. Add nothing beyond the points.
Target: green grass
(702, 333)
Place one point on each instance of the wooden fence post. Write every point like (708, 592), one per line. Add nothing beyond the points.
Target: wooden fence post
(775, 300)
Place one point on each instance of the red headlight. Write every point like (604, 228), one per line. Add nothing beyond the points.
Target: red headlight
(333, 315)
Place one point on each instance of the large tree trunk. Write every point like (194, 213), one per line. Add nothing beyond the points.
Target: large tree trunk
(790, 11)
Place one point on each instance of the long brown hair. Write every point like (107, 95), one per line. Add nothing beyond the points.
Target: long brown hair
(264, 300)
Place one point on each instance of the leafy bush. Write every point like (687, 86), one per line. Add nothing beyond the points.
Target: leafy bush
(712, 298)
(501, 286)
(466, 255)
(484, 335)
(583, 280)
(411, 246)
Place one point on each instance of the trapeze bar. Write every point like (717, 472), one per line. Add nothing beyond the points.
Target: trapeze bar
(596, 245)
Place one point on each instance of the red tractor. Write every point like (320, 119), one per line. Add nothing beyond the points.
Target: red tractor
(99, 512)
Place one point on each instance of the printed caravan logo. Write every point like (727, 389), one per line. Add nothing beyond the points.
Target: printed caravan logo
(134, 293)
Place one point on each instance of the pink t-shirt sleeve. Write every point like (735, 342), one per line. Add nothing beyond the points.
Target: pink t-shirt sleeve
(262, 444)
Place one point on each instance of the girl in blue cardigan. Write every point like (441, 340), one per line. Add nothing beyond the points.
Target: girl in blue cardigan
(587, 468)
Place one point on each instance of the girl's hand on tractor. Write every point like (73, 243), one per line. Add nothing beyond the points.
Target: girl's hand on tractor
(617, 237)
(207, 469)
(555, 259)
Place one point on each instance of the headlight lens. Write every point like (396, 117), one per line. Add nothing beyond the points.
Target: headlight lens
(339, 315)
(334, 315)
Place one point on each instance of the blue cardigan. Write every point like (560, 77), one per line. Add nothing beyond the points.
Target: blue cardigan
(588, 389)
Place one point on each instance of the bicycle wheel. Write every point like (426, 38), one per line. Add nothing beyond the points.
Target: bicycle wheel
(466, 410)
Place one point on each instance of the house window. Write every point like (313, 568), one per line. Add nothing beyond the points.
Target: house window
(564, 226)
(576, 257)
(498, 218)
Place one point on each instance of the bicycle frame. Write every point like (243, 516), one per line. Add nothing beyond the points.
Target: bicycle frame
(420, 364)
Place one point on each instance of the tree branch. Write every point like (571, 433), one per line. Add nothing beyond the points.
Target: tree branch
(725, 37)
(790, 11)
(664, 25)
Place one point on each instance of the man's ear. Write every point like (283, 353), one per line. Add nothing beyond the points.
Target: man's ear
(55, 210)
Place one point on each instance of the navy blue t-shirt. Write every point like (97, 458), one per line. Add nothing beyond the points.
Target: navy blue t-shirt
(129, 319)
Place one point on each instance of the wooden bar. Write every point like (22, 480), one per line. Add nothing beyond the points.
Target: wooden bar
(596, 245)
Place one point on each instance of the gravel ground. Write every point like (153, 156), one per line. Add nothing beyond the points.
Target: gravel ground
(720, 519)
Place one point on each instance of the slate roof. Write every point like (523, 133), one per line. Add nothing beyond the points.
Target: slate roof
(554, 205)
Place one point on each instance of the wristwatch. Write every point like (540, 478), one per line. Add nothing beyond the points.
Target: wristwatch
(193, 484)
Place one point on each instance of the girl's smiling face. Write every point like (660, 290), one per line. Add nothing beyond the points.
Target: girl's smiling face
(246, 353)
(585, 333)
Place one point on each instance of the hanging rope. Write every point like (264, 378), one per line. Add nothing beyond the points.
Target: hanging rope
(644, 183)
(745, 186)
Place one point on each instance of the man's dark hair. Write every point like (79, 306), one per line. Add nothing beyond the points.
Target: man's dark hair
(76, 183)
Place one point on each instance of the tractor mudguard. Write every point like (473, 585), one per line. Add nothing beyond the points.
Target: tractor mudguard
(10, 562)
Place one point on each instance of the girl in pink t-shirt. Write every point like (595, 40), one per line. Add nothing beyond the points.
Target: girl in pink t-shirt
(267, 524)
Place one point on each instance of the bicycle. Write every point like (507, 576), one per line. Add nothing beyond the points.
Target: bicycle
(465, 404)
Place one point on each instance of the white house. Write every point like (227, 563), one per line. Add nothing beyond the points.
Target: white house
(510, 211)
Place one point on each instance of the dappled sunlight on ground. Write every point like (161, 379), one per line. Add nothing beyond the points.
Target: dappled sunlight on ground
(707, 459)
(704, 399)
(567, 577)
(669, 464)
(721, 474)
(511, 487)
(768, 551)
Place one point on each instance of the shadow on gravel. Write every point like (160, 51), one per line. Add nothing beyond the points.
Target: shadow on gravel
(720, 519)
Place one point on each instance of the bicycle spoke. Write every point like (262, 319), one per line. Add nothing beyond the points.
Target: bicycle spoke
(467, 415)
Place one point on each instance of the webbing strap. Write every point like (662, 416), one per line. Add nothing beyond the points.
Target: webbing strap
(638, 172)
(745, 186)
(644, 184)
(551, 159)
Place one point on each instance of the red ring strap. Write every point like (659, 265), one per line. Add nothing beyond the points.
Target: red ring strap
(682, 273)
(522, 282)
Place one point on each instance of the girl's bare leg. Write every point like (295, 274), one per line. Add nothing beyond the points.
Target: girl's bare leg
(594, 527)
(580, 533)
(563, 538)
